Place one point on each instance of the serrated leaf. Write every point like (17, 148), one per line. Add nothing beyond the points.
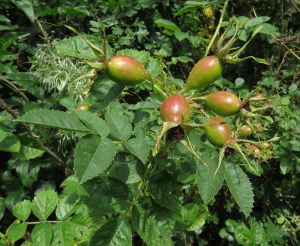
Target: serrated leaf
(207, 184)
(116, 232)
(186, 214)
(62, 235)
(96, 124)
(141, 56)
(256, 21)
(138, 147)
(273, 233)
(28, 172)
(103, 92)
(81, 233)
(72, 180)
(240, 187)
(26, 7)
(164, 189)
(42, 234)
(44, 204)
(77, 47)
(167, 24)
(22, 210)
(199, 221)
(153, 223)
(105, 194)
(181, 35)
(30, 148)
(196, 3)
(10, 143)
(127, 168)
(119, 125)
(13, 198)
(92, 156)
(16, 231)
(141, 118)
(67, 204)
(244, 235)
(97, 51)
(153, 67)
(55, 119)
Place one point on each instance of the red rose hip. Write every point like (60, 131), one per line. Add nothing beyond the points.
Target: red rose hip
(176, 109)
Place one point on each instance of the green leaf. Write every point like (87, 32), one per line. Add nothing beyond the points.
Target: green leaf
(153, 67)
(164, 189)
(77, 47)
(119, 125)
(199, 221)
(181, 35)
(2, 207)
(62, 235)
(13, 198)
(127, 168)
(10, 143)
(31, 106)
(103, 92)
(197, 4)
(96, 124)
(26, 7)
(141, 56)
(244, 235)
(21, 77)
(32, 88)
(98, 51)
(116, 232)
(44, 204)
(209, 187)
(16, 231)
(138, 147)
(92, 156)
(273, 233)
(55, 119)
(68, 102)
(30, 148)
(105, 194)
(22, 210)
(153, 223)
(256, 21)
(2, 135)
(28, 172)
(42, 234)
(184, 10)
(141, 118)
(186, 214)
(240, 187)
(167, 24)
(67, 204)
(267, 28)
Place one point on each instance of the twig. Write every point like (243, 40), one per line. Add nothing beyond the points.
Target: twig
(281, 64)
(31, 134)
(295, 5)
(217, 30)
(16, 89)
(287, 47)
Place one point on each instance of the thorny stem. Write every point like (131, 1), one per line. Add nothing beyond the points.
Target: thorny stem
(217, 30)
(16, 89)
(31, 134)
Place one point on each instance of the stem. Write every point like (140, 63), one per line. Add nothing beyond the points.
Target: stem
(31, 134)
(16, 89)
(217, 30)
(287, 48)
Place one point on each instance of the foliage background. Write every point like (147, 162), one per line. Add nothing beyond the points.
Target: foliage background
(138, 25)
